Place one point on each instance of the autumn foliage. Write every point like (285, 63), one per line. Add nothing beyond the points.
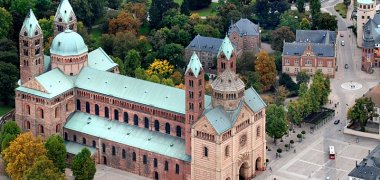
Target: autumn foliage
(265, 66)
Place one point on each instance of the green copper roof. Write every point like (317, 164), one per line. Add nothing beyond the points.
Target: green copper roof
(123, 133)
(226, 48)
(54, 82)
(75, 148)
(47, 63)
(98, 59)
(253, 100)
(194, 64)
(64, 11)
(30, 24)
(68, 43)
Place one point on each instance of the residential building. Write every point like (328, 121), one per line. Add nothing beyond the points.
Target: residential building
(374, 94)
(145, 128)
(245, 35)
(313, 50)
(371, 44)
(366, 10)
(369, 168)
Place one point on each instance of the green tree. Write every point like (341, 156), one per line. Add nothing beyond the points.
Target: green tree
(326, 21)
(302, 77)
(157, 10)
(294, 112)
(288, 82)
(174, 53)
(83, 166)
(265, 67)
(42, 169)
(82, 9)
(168, 82)
(8, 80)
(300, 6)
(8, 52)
(280, 35)
(21, 7)
(305, 24)
(140, 73)
(346, 2)
(291, 19)
(56, 151)
(47, 26)
(120, 64)
(206, 30)
(302, 90)
(5, 22)
(252, 79)
(246, 62)
(185, 9)
(199, 4)
(22, 153)
(8, 133)
(154, 78)
(131, 62)
(276, 124)
(315, 9)
(45, 8)
(362, 111)
(281, 94)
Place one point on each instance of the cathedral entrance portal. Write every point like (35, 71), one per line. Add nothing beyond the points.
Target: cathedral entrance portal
(258, 166)
(244, 171)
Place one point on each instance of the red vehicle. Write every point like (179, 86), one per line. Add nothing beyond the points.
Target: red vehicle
(332, 152)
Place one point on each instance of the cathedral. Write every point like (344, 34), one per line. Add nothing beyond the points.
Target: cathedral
(145, 128)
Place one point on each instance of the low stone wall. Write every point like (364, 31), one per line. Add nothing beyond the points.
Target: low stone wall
(361, 134)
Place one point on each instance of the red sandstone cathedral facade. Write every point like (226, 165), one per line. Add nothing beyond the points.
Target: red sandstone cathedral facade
(149, 129)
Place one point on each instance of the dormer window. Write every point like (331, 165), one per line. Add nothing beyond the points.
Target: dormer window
(25, 33)
(36, 33)
(60, 19)
(71, 18)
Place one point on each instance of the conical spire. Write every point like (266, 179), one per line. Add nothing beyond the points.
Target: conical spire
(30, 24)
(64, 10)
(226, 48)
(194, 64)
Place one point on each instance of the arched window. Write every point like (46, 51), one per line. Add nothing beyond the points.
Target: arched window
(179, 131)
(116, 114)
(87, 107)
(205, 151)
(41, 129)
(125, 117)
(78, 105)
(75, 138)
(176, 168)
(97, 109)
(227, 151)
(258, 132)
(145, 159)
(133, 156)
(123, 154)
(66, 138)
(106, 112)
(166, 166)
(156, 125)
(56, 112)
(146, 122)
(84, 140)
(135, 120)
(113, 150)
(27, 109)
(41, 113)
(103, 147)
(155, 163)
(167, 128)
(156, 175)
(58, 128)
(27, 125)
(94, 144)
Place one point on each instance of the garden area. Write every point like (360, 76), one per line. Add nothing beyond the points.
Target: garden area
(341, 9)
(4, 109)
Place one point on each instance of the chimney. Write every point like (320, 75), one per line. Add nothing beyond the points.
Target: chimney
(369, 151)
(356, 163)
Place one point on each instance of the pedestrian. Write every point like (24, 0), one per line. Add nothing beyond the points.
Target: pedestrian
(294, 150)
(270, 168)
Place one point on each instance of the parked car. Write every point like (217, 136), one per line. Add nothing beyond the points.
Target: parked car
(346, 66)
(342, 43)
(337, 121)
(341, 35)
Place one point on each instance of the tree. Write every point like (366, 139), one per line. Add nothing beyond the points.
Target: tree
(8, 80)
(43, 168)
(47, 26)
(315, 8)
(56, 151)
(5, 22)
(280, 35)
(281, 94)
(290, 18)
(288, 82)
(326, 21)
(302, 77)
(174, 53)
(302, 90)
(120, 64)
(44, 8)
(124, 22)
(300, 6)
(362, 111)
(294, 113)
(246, 62)
(185, 8)
(168, 82)
(299, 136)
(22, 7)
(82, 9)
(157, 10)
(265, 67)
(177, 77)
(305, 24)
(139, 11)
(206, 30)
(114, 4)
(8, 133)
(140, 73)
(320, 90)
(131, 62)
(276, 124)
(83, 166)
(199, 4)
(252, 79)
(22, 153)
(161, 68)
(346, 2)
(8, 52)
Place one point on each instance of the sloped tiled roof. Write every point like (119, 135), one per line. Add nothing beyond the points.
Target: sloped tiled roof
(297, 49)
(228, 81)
(374, 94)
(227, 48)
(369, 168)
(30, 24)
(64, 11)
(316, 36)
(207, 44)
(194, 64)
(244, 27)
(98, 59)
(123, 133)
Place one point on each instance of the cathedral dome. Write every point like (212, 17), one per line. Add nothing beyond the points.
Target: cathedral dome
(68, 43)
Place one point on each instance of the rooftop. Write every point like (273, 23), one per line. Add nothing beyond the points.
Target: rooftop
(244, 27)
(365, 1)
(30, 24)
(369, 168)
(374, 94)
(228, 81)
(297, 49)
(316, 36)
(98, 59)
(75, 148)
(227, 48)
(207, 44)
(133, 136)
(68, 43)
(64, 11)
(194, 64)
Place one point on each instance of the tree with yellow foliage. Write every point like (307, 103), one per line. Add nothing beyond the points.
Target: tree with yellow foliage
(265, 66)
(161, 68)
(43, 168)
(124, 22)
(22, 153)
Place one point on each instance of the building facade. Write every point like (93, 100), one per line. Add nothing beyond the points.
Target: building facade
(149, 129)
(313, 50)
(369, 168)
(371, 44)
(366, 9)
(245, 35)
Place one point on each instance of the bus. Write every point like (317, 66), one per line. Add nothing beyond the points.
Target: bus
(332, 152)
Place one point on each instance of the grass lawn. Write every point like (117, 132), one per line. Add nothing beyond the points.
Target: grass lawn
(341, 9)
(95, 34)
(206, 11)
(4, 109)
